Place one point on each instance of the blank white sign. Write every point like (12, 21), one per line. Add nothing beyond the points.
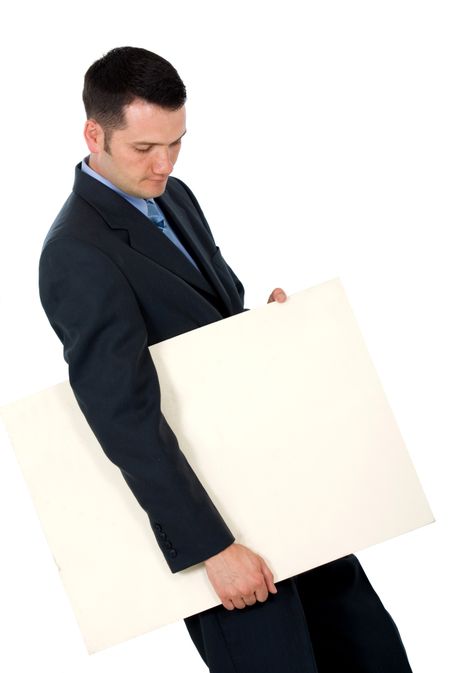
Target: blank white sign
(282, 416)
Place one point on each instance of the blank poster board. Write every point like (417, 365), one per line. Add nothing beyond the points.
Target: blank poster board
(282, 416)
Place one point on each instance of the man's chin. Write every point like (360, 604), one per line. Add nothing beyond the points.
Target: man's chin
(157, 187)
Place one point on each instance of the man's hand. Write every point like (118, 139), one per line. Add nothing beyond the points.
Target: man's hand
(239, 577)
(277, 295)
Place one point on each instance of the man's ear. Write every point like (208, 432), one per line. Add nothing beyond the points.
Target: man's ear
(94, 136)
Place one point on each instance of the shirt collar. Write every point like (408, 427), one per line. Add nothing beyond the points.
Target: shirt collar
(140, 204)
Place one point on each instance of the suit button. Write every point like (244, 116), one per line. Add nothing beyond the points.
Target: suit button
(158, 526)
(173, 553)
(168, 544)
(163, 536)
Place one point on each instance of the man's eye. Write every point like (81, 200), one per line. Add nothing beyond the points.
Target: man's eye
(146, 149)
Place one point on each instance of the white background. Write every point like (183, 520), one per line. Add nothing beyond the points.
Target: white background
(318, 146)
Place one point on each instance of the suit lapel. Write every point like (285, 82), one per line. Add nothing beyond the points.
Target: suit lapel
(148, 240)
(183, 228)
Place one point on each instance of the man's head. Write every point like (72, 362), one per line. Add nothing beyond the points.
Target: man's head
(134, 101)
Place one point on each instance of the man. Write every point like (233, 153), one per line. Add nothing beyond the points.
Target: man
(129, 261)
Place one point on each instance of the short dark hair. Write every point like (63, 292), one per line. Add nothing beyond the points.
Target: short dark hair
(123, 75)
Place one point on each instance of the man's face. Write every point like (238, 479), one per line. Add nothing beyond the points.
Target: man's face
(142, 155)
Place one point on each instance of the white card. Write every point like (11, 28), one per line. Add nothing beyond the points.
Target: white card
(282, 416)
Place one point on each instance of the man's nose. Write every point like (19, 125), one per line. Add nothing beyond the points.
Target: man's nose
(162, 163)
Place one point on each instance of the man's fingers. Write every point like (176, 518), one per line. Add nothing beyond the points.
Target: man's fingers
(277, 295)
(262, 594)
(249, 599)
(241, 579)
(269, 578)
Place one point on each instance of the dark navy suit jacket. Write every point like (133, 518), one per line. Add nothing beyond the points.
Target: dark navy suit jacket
(111, 285)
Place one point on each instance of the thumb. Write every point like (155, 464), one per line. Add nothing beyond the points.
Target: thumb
(268, 576)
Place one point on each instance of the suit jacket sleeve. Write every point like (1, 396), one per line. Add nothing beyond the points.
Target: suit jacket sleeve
(95, 314)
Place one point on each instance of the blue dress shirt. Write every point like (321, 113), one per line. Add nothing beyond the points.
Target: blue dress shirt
(140, 204)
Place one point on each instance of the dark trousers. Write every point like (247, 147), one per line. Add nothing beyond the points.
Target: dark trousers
(326, 620)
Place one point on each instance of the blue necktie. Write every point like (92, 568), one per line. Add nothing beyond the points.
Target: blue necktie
(154, 214)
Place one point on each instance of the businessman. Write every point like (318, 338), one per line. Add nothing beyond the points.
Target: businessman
(129, 261)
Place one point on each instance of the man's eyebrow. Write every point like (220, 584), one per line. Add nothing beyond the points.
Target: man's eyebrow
(147, 142)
